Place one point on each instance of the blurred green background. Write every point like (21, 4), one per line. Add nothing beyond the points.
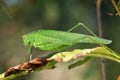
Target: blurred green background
(18, 17)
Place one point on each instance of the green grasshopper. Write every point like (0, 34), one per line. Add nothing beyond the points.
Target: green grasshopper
(59, 40)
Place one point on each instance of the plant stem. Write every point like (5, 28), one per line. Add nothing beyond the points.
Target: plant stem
(98, 7)
(100, 32)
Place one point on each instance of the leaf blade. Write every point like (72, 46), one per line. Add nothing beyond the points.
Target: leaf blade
(80, 62)
(101, 52)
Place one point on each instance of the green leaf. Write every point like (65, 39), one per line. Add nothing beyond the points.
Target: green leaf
(105, 52)
(102, 52)
(53, 39)
(80, 62)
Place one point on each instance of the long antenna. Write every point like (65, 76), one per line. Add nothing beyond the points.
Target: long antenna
(7, 13)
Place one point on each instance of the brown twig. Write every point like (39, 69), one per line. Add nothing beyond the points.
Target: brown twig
(27, 67)
(98, 7)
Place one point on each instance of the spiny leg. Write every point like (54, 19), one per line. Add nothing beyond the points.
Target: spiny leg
(84, 26)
